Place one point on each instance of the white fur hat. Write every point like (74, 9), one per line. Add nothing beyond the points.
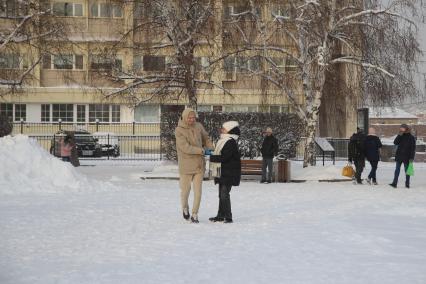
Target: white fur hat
(229, 125)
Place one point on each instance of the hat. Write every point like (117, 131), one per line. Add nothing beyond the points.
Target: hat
(229, 125)
(404, 126)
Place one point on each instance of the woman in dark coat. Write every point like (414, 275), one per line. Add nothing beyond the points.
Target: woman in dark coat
(372, 145)
(228, 172)
(405, 153)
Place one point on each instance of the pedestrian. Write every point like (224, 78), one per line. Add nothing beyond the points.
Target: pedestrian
(405, 152)
(228, 170)
(192, 143)
(356, 153)
(372, 147)
(65, 144)
(269, 150)
(74, 152)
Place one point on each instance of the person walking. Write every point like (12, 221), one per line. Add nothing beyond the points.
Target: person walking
(356, 153)
(372, 147)
(405, 152)
(192, 143)
(269, 150)
(66, 147)
(227, 172)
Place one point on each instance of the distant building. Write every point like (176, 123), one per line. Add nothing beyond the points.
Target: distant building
(388, 115)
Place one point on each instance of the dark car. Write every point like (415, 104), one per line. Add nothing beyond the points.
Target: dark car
(109, 143)
(87, 145)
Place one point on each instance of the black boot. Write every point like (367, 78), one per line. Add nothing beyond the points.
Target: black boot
(228, 220)
(407, 185)
(194, 219)
(185, 215)
(216, 219)
(393, 185)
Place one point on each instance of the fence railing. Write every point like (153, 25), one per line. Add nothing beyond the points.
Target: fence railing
(340, 146)
(135, 128)
(107, 147)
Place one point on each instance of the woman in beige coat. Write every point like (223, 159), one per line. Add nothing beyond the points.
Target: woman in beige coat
(192, 142)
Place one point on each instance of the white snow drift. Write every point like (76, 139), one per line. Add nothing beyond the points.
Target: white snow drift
(26, 167)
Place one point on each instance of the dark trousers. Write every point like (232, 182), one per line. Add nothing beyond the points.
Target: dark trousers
(224, 202)
(397, 171)
(267, 163)
(359, 167)
(372, 174)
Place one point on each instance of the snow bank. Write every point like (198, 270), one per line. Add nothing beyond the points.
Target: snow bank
(27, 167)
(328, 172)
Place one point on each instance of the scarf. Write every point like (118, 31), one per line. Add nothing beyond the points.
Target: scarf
(215, 168)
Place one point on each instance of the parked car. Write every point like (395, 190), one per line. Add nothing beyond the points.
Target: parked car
(87, 145)
(109, 143)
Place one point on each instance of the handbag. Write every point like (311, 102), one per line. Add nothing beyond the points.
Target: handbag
(348, 171)
(410, 169)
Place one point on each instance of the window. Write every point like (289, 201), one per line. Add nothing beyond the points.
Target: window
(99, 112)
(217, 108)
(278, 61)
(99, 62)
(204, 108)
(291, 64)
(45, 113)
(202, 64)
(67, 9)
(20, 112)
(275, 109)
(63, 62)
(154, 63)
(9, 61)
(7, 110)
(106, 10)
(232, 12)
(147, 113)
(282, 10)
(81, 113)
(115, 113)
(62, 111)
(246, 64)
(236, 108)
(13, 8)
(229, 64)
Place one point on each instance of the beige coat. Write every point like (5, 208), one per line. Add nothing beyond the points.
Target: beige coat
(190, 144)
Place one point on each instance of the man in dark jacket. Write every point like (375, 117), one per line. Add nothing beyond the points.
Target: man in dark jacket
(228, 173)
(372, 147)
(356, 153)
(405, 153)
(269, 150)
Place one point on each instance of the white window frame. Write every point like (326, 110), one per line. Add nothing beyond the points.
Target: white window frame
(73, 8)
(52, 62)
(112, 7)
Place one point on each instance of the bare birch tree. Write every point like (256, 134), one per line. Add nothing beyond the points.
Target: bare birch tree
(171, 42)
(377, 46)
(28, 29)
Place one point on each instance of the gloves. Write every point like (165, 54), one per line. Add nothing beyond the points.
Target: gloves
(208, 152)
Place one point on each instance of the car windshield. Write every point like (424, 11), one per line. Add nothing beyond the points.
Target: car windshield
(84, 138)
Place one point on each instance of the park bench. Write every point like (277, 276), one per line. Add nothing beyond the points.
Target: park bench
(254, 167)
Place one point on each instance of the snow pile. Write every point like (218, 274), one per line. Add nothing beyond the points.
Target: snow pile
(27, 167)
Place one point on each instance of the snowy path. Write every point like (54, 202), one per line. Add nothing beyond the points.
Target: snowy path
(283, 233)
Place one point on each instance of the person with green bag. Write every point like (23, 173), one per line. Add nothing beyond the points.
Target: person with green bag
(405, 152)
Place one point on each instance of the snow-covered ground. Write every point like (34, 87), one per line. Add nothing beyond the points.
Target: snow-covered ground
(121, 229)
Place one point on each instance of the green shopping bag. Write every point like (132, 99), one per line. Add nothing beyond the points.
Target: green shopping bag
(410, 169)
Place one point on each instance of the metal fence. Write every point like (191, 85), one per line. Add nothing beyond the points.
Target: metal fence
(340, 146)
(107, 147)
(134, 128)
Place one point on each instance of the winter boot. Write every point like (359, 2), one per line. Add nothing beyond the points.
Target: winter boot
(369, 181)
(407, 185)
(194, 218)
(216, 219)
(227, 220)
(393, 185)
(185, 214)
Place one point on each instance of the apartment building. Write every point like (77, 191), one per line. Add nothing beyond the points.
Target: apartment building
(68, 86)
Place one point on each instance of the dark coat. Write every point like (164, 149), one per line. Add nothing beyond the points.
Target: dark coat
(356, 147)
(406, 147)
(230, 161)
(372, 144)
(269, 147)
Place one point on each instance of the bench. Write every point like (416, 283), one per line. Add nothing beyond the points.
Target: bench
(254, 167)
(251, 167)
